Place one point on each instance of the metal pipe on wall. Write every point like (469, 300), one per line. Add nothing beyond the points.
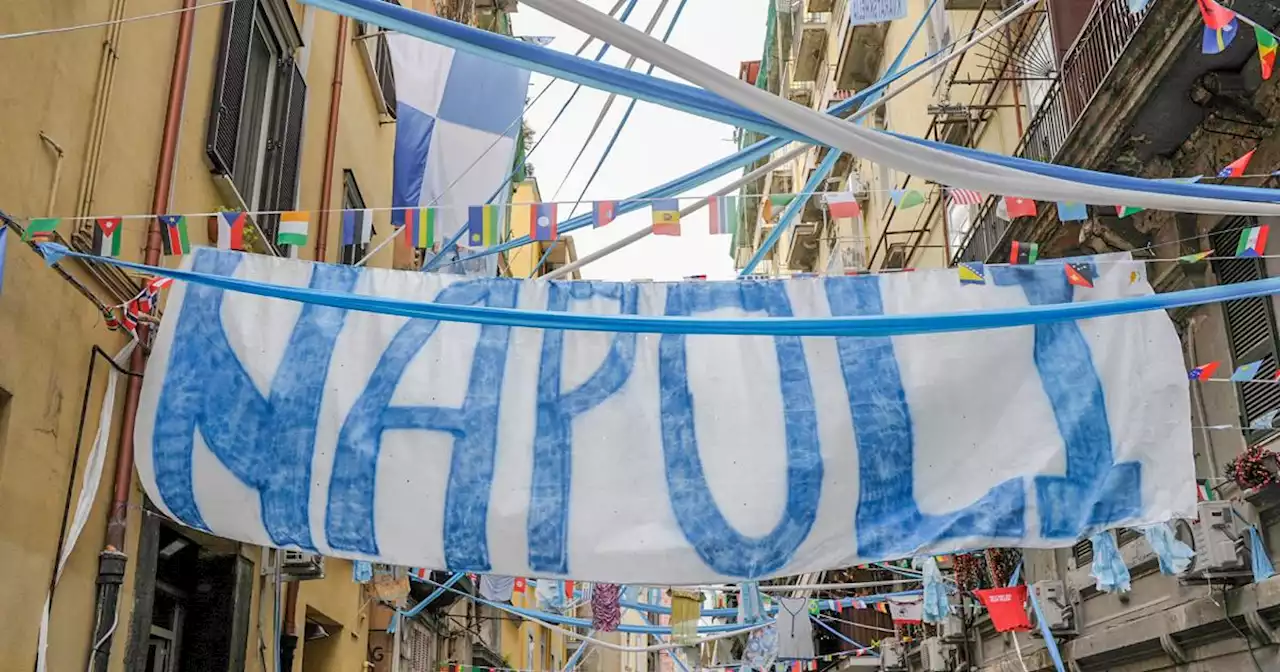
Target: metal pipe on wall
(331, 139)
(112, 559)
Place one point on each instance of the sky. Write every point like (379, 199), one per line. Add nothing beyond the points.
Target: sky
(656, 145)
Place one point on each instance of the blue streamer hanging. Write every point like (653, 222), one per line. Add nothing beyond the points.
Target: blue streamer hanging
(1174, 556)
(1109, 570)
(1262, 567)
(936, 605)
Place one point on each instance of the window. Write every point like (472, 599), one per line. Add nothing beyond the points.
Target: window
(1039, 70)
(939, 35)
(1250, 325)
(255, 126)
(376, 55)
(352, 200)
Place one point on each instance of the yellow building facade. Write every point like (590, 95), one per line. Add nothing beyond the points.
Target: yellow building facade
(133, 119)
(527, 645)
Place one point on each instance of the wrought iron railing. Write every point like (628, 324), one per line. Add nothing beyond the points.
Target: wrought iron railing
(1085, 67)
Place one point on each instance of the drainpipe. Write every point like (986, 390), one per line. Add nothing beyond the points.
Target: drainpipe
(289, 640)
(112, 560)
(331, 139)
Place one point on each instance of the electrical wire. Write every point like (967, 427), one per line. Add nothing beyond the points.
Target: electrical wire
(432, 263)
(100, 24)
(613, 140)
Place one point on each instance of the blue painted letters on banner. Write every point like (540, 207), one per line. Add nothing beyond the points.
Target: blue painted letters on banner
(1095, 491)
(474, 426)
(553, 441)
(266, 442)
(717, 543)
(889, 521)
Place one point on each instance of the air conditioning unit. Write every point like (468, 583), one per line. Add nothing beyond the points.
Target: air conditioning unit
(951, 629)
(1059, 615)
(300, 566)
(892, 657)
(933, 655)
(1219, 537)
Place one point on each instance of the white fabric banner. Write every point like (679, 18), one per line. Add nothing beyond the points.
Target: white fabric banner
(659, 459)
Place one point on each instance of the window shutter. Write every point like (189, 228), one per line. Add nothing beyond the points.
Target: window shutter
(228, 91)
(1250, 325)
(288, 143)
(284, 149)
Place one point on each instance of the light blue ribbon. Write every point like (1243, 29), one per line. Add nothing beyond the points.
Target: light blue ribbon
(936, 606)
(1262, 568)
(1109, 570)
(1174, 556)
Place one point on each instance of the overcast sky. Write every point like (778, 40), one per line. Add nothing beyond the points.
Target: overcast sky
(656, 145)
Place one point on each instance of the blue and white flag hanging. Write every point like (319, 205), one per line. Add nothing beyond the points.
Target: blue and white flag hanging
(457, 123)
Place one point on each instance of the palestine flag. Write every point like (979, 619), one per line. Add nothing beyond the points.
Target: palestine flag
(106, 237)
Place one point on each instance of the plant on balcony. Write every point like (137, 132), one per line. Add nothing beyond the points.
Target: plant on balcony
(1255, 468)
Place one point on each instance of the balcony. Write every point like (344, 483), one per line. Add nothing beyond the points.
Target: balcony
(811, 45)
(1124, 96)
(860, 56)
(801, 92)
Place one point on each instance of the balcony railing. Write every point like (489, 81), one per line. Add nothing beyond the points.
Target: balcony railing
(1085, 67)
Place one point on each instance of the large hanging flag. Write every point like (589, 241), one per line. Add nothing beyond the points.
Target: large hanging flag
(482, 225)
(457, 126)
(106, 236)
(1019, 207)
(1072, 212)
(666, 217)
(294, 227)
(542, 224)
(603, 212)
(1247, 371)
(173, 235)
(1266, 49)
(723, 215)
(1238, 167)
(1220, 26)
(231, 230)
(1204, 371)
(843, 204)
(905, 199)
(1023, 253)
(357, 227)
(40, 228)
(1253, 241)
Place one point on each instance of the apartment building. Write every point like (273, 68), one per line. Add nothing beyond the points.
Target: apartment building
(251, 105)
(1107, 85)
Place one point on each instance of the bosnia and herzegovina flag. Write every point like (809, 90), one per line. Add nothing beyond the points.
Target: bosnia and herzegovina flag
(1220, 26)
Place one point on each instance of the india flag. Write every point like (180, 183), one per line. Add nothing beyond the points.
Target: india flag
(294, 226)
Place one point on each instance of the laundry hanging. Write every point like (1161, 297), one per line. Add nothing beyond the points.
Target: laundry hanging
(795, 632)
(686, 609)
(605, 612)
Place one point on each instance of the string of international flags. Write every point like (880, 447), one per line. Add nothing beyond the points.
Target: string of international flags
(486, 224)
